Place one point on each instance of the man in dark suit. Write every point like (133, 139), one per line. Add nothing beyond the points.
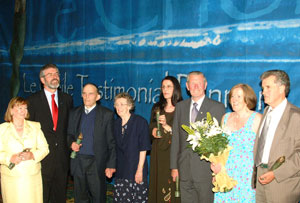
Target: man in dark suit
(194, 174)
(96, 155)
(51, 107)
(279, 135)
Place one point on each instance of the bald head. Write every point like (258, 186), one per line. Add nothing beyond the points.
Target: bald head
(90, 95)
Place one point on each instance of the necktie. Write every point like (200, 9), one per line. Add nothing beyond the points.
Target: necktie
(86, 111)
(262, 139)
(194, 112)
(54, 112)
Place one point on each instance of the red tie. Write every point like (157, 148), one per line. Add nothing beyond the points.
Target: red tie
(54, 112)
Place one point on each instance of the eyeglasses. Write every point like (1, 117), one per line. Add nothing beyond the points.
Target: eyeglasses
(120, 105)
(52, 75)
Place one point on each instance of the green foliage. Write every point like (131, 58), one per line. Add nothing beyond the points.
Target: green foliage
(188, 129)
(213, 144)
(208, 117)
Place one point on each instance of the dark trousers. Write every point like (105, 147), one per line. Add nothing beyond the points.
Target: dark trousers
(89, 186)
(55, 186)
(200, 192)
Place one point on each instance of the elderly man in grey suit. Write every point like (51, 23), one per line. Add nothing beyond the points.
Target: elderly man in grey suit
(279, 136)
(194, 174)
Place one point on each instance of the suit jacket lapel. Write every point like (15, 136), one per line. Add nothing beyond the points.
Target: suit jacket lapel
(44, 103)
(258, 132)
(262, 120)
(77, 116)
(203, 110)
(98, 120)
(60, 107)
(187, 105)
(14, 133)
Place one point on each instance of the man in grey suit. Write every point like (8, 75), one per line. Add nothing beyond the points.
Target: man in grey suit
(279, 135)
(194, 174)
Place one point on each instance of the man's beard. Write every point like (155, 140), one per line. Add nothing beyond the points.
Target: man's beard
(52, 86)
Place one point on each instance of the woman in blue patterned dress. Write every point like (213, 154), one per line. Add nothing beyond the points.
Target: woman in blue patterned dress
(243, 124)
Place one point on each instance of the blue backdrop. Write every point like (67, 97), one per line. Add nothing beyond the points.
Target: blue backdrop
(131, 45)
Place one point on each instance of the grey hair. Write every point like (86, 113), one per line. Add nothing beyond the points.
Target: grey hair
(49, 65)
(196, 73)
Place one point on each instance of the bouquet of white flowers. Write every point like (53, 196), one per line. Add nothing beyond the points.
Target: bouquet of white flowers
(210, 141)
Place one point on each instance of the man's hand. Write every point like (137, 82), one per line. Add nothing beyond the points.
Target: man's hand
(174, 174)
(75, 147)
(266, 178)
(109, 172)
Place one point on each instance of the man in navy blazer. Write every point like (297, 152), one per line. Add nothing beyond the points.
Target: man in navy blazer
(194, 174)
(56, 165)
(96, 155)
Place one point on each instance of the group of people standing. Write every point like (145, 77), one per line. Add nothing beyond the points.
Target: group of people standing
(40, 132)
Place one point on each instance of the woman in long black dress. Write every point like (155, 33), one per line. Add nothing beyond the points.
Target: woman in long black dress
(131, 133)
(161, 185)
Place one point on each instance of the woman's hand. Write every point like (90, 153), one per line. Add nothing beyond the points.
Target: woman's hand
(16, 158)
(154, 133)
(215, 167)
(139, 177)
(26, 156)
(163, 121)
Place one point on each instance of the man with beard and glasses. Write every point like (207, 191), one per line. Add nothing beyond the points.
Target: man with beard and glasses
(51, 107)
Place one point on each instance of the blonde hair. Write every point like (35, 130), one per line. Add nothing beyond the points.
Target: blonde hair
(16, 101)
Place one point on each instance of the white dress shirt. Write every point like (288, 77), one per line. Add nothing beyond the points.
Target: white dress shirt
(276, 115)
(88, 110)
(49, 98)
